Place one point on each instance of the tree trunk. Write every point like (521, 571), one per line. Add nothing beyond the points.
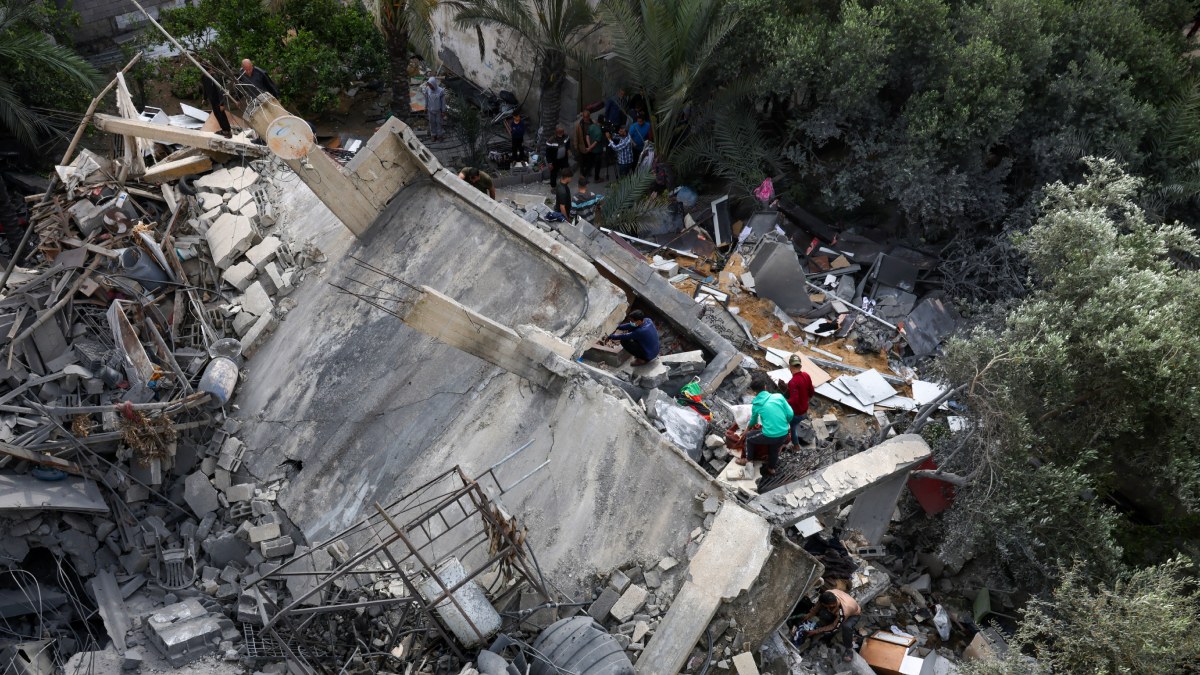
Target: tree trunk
(553, 73)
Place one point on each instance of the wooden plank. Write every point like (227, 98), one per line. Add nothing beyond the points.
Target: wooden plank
(39, 458)
(178, 135)
(135, 148)
(168, 171)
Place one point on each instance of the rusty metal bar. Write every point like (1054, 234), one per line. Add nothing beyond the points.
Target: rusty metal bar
(433, 573)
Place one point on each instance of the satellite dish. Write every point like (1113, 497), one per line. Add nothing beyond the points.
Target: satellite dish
(290, 137)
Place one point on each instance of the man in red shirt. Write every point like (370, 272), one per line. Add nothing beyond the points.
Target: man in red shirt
(799, 392)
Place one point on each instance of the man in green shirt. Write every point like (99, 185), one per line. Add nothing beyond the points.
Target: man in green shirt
(595, 149)
(770, 421)
(480, 179)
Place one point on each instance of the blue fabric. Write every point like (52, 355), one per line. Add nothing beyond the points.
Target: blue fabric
(518, 130)
(639, 133)
(644, 336)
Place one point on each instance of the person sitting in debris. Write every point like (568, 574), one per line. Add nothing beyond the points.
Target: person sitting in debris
(799, 392)
(770, 422)
(836, 611)
(584, 201)
(640, 338)
(435, 108)
(254, 80)
(480, 179)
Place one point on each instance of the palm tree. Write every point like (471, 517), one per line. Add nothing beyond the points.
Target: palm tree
(665, 50)
(555, 29)
(25, 49)
(407, 23)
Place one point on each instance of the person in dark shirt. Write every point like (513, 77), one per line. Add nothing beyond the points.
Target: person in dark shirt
(562, 193)
(558, 150)
(216, 100)
(516, 131)
(479, 179)
(639, 337)
(255, 80)
(799, 392)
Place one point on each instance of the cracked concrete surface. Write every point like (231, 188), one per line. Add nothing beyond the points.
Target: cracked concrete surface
(372, 408)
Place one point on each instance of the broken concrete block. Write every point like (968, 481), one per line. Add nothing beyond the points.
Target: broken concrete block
(639, 631)
(602, 605)
(240, 493)
(631, 601)
(240, 275)
(650, 375)
(260, 533)
(619, 581)
(611, 355)
(667, 563)
(229, 237)
(209, 201)
(711, 504)
(185, 631)
(231, 180)
(243, 322)
(257, 334)
(264, 252)
(240, 199)
(200, 494)
(256, 300)
(744, 663)
(250, 210)
(225, 549)
(653, 578)
(277, 547)
(282, 284)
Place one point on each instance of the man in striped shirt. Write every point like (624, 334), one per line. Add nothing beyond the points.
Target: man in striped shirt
(584, 201)
(624, 147)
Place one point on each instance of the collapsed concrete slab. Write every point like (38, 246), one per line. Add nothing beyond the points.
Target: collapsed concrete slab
(873, 479)
(728, 562)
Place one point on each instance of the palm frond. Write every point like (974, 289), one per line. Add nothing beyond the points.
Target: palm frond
(625, 201)
(37, 51)
(17, 118)
(511, 14)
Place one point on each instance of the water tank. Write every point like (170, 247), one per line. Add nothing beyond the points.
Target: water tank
(579, 645)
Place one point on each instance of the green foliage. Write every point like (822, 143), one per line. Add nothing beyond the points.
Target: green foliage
(311, 47)
(409, 22)
(469, 124)
(1143, 624)
(42, 82)
(955, 113)
(1091, 378)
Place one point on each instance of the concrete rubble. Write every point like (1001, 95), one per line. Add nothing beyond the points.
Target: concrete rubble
(147, 444)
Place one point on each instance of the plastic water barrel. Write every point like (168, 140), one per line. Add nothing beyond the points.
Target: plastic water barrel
(579, 645)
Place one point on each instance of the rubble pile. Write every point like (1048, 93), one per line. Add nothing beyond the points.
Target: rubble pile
(124, 332)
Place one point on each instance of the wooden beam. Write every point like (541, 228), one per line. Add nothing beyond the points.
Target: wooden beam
(39, 458)
(135, 148)
(165, 171)
(178, 135)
